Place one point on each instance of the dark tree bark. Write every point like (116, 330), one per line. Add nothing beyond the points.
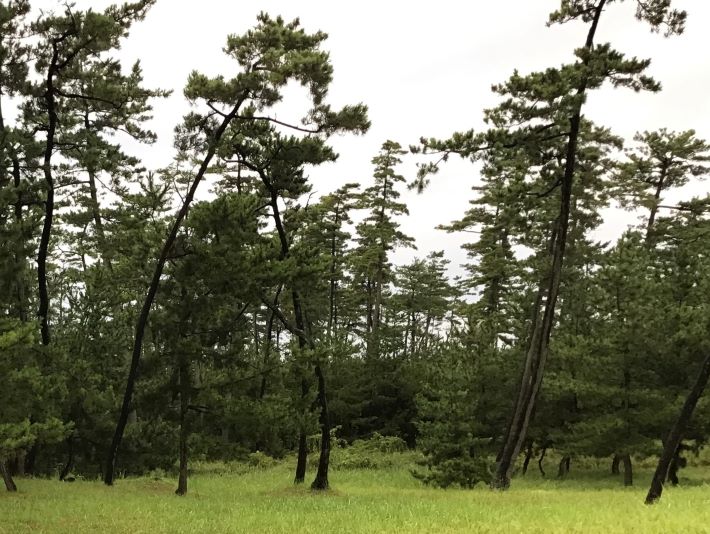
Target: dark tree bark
(142, 321)
(654, 208)
(615, 464)
(537, 355)
(184, 424)
(528, 456)
(563, 468)
(96, 208)
(7, 478)
(321, 480)
(302, 459)
(70, 459)
(267, 343)
(676, 434)
(628, 473)
(49, 99)
(676, 464)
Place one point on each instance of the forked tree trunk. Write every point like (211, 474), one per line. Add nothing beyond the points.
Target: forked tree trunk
(7, 478)
(321, 480)
(628, 474)
(676, 434)
(537, 354)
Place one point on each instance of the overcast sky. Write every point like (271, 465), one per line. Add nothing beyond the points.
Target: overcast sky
(425, 69)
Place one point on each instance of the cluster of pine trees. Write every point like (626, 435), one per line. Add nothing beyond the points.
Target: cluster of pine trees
(144, 321)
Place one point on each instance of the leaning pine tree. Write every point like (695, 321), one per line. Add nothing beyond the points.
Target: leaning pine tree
(538, 109)
(270, 56)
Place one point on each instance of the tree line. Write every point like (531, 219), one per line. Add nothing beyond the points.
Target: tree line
(144, 321)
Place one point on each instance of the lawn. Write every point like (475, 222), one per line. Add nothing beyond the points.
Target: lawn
(382, 500)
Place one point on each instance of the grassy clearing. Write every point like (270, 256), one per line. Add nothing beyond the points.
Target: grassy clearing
(382, 500)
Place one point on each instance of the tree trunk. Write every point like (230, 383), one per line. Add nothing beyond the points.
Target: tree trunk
(95, 207)
(43, 250)
(142, 321)
(539, 462)
(676, 434)
(7, 478)
(267, 343)
(563, 469)
(321, 480)
(184, 425)
(674, 467)
(654, 207)
(615, 464)
(31, 459)
(302, 460)
(70, 459)
(528, 456)
(537, 355)
(628, 474)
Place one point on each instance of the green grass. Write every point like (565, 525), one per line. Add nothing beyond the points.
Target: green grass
(384, 500)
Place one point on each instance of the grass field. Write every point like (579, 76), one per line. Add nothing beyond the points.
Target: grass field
(383, 500)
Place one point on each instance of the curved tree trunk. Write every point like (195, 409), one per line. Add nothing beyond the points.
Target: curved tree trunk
(142, 321)
(7, 477)
(537, 353)
(541, 460)
(676, 434)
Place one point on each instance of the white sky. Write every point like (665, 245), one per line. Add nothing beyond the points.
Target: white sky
(425, 69)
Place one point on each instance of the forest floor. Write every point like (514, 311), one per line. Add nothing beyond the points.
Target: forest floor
(362, 500)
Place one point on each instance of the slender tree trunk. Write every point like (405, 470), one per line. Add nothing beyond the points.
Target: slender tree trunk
(563, 469)
(142, 321)
(615, 464)
(70, 459)
(537, 355)
(333, 282)
(628, 473)
(528, 456)
(541, 460)
(267, 343)
(184, 424)
(95, 206)
(302, 459)
(43, 311)
(654, 207)
(676, 434)
(19, 259)
(7, 478)
(674, 467)
(321, 480)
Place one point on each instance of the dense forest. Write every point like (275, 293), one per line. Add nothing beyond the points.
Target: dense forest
(217, 309)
